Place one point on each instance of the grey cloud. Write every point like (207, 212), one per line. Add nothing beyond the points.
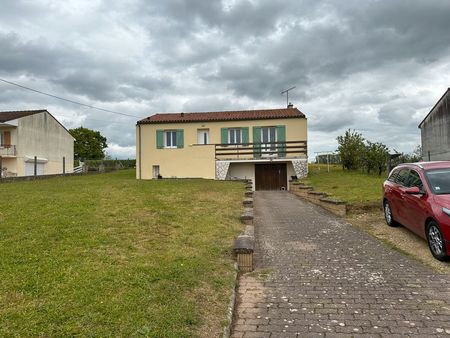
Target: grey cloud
(211, 103)
(331, 121)
(394, 114)
(359, 64)
(95, 85)
(34, 58)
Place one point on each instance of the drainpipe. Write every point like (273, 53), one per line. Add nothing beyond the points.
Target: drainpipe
(140, 163)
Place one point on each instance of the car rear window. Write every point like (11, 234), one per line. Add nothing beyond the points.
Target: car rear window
(393, 175)
(414, 180)
(439, 180)
(402, 177)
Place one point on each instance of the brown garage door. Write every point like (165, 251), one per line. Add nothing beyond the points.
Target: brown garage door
(270, 176)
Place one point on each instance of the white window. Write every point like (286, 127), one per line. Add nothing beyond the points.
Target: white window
(234, 136)
(203, 136)
(268, 138)
(170, 139)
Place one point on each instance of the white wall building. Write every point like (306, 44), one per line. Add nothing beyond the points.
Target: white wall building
(33, 136)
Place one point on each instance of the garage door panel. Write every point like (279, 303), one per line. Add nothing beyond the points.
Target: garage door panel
(29, 169)
(270, 176)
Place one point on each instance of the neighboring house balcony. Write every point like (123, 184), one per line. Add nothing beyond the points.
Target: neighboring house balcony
(8, 151)
(261, 151)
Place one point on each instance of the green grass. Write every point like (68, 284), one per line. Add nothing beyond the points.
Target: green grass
(354, 187)
(108, 255)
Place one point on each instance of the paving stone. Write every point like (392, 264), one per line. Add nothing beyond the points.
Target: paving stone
(321, 277)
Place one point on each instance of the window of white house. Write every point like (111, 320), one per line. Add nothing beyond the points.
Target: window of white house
(234, 136)
(203, 136)
(170, 139)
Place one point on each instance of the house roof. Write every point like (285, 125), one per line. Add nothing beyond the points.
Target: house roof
(12, 115)
(6, 116)
(260, 114)
(437, 103)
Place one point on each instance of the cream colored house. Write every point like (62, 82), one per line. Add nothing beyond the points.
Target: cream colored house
(268, 146)
(34, 140)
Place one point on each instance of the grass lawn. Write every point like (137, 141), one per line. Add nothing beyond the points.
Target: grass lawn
(354, 187)
(108, 255)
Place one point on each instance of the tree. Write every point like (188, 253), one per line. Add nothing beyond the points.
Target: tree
(89, 144)
(376, 156)
(416, 155)
(351, 149)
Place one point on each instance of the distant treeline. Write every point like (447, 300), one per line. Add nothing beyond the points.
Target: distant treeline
(328, 158)
(109, 164)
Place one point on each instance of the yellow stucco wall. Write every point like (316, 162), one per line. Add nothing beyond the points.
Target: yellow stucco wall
(197, 160)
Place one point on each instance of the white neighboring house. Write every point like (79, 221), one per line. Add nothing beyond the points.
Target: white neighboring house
(33, 136)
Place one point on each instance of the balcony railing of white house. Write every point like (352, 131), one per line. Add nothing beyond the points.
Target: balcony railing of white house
(8, 150)
(249, 151)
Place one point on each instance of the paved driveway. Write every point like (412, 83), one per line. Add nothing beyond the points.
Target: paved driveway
(318, 276)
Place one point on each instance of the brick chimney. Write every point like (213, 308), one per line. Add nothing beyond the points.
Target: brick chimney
(290, 105)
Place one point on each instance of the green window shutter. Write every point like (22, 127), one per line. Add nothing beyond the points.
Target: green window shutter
(159, 139)
(281, 137)
(244, 131)
(257, 141)
(180, 138)
(224, 135)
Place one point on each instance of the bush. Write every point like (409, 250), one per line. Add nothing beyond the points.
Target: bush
(376, 157)
(351, 149)
(356, 154)
(111, 164)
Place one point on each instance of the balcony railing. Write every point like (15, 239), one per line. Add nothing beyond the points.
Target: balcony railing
(7, 150)
(248, 151)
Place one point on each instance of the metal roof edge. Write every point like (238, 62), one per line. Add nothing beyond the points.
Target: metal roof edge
(446, 92)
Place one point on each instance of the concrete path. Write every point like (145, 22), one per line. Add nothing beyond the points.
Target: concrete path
(317, 276)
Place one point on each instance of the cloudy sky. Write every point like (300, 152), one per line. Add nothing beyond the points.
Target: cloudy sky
(374, 66)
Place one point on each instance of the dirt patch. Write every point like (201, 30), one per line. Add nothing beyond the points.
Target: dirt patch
(363, 207)
(372, 221)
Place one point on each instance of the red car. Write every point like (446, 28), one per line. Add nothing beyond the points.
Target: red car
(417, 195)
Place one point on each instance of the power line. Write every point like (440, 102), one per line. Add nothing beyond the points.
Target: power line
(89, 119)
(64, 99)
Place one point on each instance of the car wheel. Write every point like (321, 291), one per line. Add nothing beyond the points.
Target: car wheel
(436, 241)
(388, 214)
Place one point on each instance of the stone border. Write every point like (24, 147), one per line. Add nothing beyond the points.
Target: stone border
(244, 244)
(231, 305)
(308, 193)
(243, 249)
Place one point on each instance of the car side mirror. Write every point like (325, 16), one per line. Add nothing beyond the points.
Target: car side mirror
(413, 191)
